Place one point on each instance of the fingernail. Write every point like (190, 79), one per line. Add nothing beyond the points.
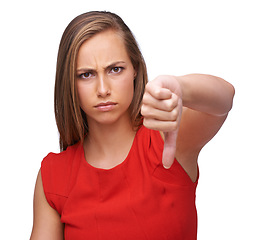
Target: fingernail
(166, 167)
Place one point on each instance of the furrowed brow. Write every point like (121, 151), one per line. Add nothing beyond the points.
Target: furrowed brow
(83, 70)
(89, 69)
(114, 64)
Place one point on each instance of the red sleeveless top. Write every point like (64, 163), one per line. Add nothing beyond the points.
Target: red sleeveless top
(137, 199)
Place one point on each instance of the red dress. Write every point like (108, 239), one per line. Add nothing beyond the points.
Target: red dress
(138, 199)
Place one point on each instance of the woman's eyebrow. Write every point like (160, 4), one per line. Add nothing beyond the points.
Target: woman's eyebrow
(85, 69)
(115, 64)
(90, 69)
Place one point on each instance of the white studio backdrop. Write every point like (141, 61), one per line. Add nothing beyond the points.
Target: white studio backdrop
(176, 37)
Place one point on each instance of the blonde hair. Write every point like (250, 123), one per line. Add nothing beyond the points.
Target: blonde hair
(70, 118)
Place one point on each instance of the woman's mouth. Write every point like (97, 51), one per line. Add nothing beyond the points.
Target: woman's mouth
(106, 106)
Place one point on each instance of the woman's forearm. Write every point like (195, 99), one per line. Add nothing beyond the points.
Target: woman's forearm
(206, 93)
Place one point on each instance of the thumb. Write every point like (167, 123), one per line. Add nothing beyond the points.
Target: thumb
(169, 148)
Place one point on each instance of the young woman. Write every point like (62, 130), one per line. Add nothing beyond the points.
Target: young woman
(129, 149)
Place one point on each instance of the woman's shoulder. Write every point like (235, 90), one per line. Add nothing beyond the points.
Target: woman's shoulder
(63, 158)
(59, 169)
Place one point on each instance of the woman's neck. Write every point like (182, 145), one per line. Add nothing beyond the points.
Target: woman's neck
(108, 145)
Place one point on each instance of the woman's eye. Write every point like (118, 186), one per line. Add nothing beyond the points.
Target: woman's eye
(116, 69)
(85, 75)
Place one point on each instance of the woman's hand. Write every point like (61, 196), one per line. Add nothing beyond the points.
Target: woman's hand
(206, 102)
(161, 109)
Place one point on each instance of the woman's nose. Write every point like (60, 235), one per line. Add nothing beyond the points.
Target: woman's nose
(103, 88)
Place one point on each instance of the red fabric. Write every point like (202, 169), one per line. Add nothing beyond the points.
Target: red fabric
(137, 199)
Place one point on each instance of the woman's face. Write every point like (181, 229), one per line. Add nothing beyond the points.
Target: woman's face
(105, 79)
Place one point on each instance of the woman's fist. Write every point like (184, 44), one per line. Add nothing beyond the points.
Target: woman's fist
(161, 109)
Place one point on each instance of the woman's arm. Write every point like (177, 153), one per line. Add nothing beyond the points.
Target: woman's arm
(206, 93)
(207, 101)
(189, 110)
(46, 222)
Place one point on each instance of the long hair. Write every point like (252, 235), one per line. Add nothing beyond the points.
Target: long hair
(70, 118)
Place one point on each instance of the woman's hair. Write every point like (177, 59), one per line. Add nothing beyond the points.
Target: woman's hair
(70, 118)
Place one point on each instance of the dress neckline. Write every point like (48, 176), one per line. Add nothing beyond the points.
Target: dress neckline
(114, 168)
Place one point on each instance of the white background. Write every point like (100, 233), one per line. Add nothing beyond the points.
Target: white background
(176, 37)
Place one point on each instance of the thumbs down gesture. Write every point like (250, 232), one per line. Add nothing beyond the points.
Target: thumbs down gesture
(162, 109)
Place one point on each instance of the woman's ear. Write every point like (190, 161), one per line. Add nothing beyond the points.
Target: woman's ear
(135, 74)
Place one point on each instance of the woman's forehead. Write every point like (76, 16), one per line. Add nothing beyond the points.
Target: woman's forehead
(103, 48)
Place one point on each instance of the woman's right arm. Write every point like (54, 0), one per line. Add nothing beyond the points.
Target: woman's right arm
(46, 220)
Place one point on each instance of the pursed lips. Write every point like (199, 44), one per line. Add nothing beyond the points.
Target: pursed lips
(105, 106)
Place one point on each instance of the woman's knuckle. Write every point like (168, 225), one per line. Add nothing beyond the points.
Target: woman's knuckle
(145, 110)
(175, 114)
(173, 126)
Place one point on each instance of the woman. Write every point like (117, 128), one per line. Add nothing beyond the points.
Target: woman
(128, 166)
